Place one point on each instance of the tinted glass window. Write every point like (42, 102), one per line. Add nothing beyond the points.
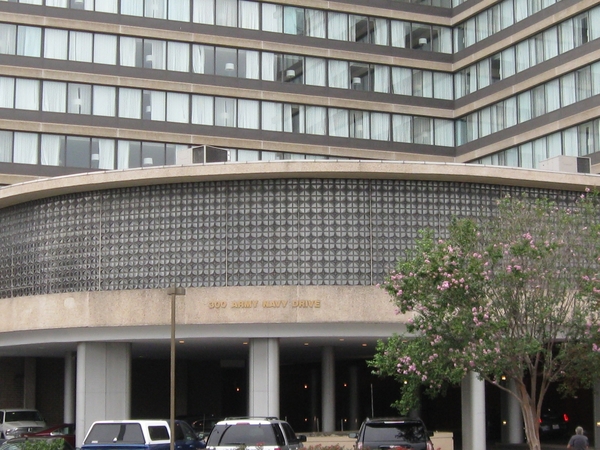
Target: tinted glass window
(105, 433)
(242, 434)
(289, 433)
(23, 416)
(185, 431)
(159, 433)
(395, 431)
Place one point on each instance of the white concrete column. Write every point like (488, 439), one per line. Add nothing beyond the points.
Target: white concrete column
(473, 412)
(328, 389)
(69, 395)
(512, 417)
(264, 378)
(103, 384)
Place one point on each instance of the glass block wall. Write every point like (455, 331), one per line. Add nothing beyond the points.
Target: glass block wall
(229, 233)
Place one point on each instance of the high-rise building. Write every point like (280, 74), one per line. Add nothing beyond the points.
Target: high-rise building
(115, 84)
(358, 124)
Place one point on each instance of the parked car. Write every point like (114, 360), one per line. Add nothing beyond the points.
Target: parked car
(54, 443)
(63, 430)
(553, 423)
(140, 435)
(392, 433)
(266, 433)
(201, 424)
(15, 422)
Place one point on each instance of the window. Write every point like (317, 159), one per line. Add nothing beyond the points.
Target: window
(29, 41)
(8, 38)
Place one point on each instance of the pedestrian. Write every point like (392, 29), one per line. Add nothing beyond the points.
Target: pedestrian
(578, 441)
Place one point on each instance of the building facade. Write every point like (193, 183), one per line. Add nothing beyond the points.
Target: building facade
(274, 159)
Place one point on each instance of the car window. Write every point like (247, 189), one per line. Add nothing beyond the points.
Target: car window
(278, 435)
(395, 431)
(242, 434)
(1, 416)
(105, 433)
(159, 433)
(23, 416)
(289, 433)
(184, 431)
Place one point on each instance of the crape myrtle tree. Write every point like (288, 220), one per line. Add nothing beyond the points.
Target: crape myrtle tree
(514, 296)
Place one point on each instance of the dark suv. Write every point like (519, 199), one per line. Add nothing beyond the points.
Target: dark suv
(267, 433)
(392, 433)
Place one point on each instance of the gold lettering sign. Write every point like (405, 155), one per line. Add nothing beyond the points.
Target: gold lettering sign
(265, 304)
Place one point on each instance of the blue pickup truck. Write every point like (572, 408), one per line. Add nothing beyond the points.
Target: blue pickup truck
(140, 435)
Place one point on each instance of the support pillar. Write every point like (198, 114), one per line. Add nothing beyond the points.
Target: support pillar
(264, 378)
(69, 395)
(473, 412)
(512, 417)
(103, 384)
(328, 389)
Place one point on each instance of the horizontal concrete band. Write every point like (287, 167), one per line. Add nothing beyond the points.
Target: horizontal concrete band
(49, 187)
(201, 306)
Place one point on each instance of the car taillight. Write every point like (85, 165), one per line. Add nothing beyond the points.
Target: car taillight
(565, 417)
(430, 445)
(359, 446)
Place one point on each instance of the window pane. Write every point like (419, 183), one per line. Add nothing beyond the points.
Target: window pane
(226, 13)
(79, 99)
(104, 101)
(80, 46)
(54, 96)
(56, 44)
(8, 38)
(178, 56)
(248, 114)
(249, 14)
(105, 49)
(130, 103)
(25, 148)
(7, 92)
(225, 112)
(202, 110)
(272, 17)
(272, 116)
(178, 107)
(27, 94)
(29, 41)
(53, 150)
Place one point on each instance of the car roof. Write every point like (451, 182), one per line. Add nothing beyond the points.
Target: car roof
(249, 420)
(394, 419)
(142, 421)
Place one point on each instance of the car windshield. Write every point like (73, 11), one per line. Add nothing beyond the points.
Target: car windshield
(394, 431)
(105, 433)
(242, 434)
(23, 416)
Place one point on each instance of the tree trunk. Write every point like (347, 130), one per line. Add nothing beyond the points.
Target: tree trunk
(530, 418)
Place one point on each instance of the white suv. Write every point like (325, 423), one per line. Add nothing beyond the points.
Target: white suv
(15, 422)
(252, 433)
